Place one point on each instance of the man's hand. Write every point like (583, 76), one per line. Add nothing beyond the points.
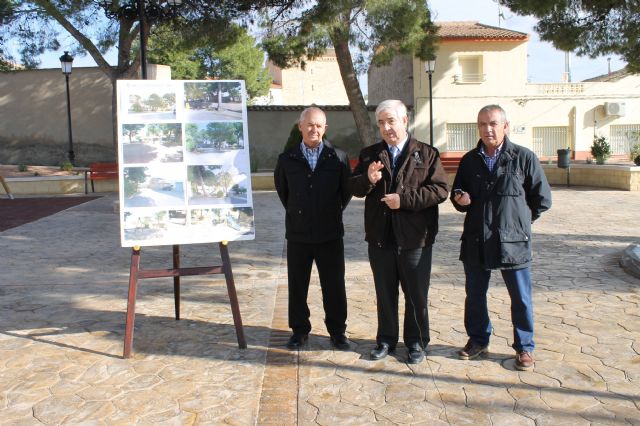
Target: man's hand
(462, 199)
(373, 172)
(391, 200)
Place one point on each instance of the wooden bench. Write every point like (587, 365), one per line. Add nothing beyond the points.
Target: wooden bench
(99, 171)
(451, 161)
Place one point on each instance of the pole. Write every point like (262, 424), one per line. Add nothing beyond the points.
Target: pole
(72, 156)
(430, 112)
(143, 44)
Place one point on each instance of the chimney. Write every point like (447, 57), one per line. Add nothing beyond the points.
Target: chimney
(566, 76)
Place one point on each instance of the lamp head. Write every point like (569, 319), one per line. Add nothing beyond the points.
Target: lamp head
(66, 62)
(430, 66)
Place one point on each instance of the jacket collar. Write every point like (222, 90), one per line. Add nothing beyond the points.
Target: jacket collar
(507, 148)
(327, 150)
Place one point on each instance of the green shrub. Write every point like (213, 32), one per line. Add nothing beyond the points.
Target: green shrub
(22, 168)
(600, 149)
(295, 136)
(66, 166)
(635, 154)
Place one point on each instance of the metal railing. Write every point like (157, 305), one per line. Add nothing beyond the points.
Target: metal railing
(469, 78)
(547, 140)
(623, 137)
(461, 136)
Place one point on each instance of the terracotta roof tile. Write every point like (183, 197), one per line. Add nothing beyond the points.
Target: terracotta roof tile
(471, 30)
(610, 77)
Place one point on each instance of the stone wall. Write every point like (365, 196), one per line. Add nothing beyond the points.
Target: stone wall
(34, 126)
(270, 126)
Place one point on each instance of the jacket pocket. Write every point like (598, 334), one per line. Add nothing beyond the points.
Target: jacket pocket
(515, 247)
(509, 184)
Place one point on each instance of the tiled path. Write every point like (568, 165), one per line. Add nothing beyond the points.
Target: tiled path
(63, 296)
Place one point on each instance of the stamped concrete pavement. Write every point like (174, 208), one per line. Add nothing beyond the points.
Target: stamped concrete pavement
(63, 295)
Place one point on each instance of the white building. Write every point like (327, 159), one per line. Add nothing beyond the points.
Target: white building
(477, 65)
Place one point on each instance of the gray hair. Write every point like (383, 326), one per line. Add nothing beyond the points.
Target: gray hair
(308, 110)
(494, 107)
(393, 105)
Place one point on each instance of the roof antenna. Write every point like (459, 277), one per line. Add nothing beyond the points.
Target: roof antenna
(500, 16)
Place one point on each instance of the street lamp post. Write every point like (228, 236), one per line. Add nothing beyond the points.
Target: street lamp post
(430, 67)
(66, 62)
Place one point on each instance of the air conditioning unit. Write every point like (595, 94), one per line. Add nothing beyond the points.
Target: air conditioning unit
(614, 108)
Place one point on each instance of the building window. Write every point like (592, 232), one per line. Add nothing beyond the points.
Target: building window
(469, 70)
(623, 137)
(462, 136)
(548, 140)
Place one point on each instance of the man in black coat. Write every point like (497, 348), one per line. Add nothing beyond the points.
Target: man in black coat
(311, 181)
(502, 189)
(403, 182)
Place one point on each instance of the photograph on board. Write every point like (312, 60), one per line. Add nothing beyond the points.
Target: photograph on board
(147, 102)
(216, 100)
(232, 223)
(216, 184)
(154, 225)
(153, 185)
(152, 142)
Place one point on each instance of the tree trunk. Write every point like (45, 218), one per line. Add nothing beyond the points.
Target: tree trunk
(354, 94)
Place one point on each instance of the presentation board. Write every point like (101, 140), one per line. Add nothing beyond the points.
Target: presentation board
(184, 168)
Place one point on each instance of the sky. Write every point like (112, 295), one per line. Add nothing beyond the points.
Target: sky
(545, 63)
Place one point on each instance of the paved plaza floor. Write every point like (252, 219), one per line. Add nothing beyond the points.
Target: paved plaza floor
(63, 294)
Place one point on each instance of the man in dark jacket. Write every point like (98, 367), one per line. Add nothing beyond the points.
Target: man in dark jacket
(502, 189)
(311, 180)
(403, 181)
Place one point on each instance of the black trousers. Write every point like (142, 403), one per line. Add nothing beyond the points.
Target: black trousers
(412, 270)
(329, 258)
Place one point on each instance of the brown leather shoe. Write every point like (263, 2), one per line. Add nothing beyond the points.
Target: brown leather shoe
(472, 350)
(524, 361)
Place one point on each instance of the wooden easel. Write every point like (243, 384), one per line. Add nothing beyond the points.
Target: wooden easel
(135, 273)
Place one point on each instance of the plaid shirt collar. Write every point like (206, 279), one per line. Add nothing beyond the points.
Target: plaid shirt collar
(311, 154)
(491, 161)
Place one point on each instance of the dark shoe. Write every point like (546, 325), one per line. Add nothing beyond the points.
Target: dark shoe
(416, 354)
(380, 351)
(524, 361)
(472, 350)
(296, 341)
(340, 342)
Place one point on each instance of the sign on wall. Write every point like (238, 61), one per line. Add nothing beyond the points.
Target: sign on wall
(184, 166)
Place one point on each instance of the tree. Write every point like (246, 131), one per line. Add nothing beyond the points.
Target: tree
(36, 26)
(241, 60)
(225, 179)
(131, 130)
(133, 177)
(587, 27)
(376, 30)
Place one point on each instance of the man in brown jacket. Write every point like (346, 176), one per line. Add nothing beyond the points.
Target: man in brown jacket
(403, 181)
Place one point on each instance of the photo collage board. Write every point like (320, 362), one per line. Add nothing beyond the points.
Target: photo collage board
(183, 155)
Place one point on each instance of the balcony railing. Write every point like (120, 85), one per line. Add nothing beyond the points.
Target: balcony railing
(560, 89)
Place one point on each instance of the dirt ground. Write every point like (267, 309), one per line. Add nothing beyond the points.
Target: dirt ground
(9, 171)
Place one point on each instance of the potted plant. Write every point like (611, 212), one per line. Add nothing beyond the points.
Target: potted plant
(600, 149)
(635, 154)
